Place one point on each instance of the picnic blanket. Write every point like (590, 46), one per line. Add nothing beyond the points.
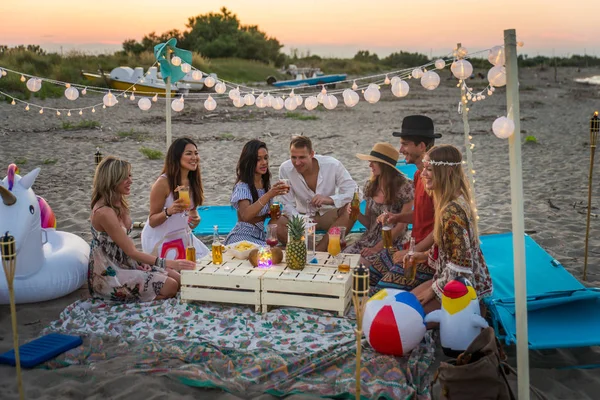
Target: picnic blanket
(286, 351)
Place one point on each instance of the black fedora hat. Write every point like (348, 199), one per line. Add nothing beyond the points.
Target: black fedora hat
(417, 125)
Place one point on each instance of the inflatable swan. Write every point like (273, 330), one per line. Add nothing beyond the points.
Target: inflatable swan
(50, 263)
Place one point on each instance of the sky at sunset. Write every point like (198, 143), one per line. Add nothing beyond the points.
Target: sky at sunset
(326, 27)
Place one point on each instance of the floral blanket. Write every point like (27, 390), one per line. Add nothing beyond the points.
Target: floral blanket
(285, 351)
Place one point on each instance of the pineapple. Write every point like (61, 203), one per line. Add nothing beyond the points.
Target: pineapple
(296, 248)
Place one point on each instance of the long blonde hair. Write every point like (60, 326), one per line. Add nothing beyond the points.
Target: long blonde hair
(449, 182)
(109, 174)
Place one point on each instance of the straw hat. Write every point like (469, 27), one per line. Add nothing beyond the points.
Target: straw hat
(383, 153)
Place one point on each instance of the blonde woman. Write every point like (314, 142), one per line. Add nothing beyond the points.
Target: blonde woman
(456, 250)
(117, 270)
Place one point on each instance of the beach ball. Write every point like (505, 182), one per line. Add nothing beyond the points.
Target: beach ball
(394, 322)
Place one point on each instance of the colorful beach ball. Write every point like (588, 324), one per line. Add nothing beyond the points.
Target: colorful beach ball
(394, 322)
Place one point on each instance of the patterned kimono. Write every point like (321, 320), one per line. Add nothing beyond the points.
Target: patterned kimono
(459, 253)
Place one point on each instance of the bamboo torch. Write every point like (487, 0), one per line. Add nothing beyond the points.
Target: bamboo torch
(360, 296)
(594, 128)
(97, 156)
(9, 263)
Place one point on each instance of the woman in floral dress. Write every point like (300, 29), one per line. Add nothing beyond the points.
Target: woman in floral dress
(117, 270)
(455, 252)
(388, 190)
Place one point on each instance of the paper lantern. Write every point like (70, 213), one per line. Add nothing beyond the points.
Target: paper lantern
(320, 97)
(220, 88)
(261, 101)
(269, 99)
(176, 61)
(196, 75)
(210, 103)
(417, 73)
(497, 76)
(496, 55)
(372, 95)
(34, 84)
(239, 102)
(393, 322)
(277, 103)
(144, 104)
(234, 93)
(462, 52)
(290, 104)
(395, 80)
(311, 103)
(351, 98)
(330, 101)
(430, 80)
(209, 81)
(400, 89)
(299, 100)
(440, 64)
(109, 100)
(185, 68)
(503, 127)
(249, 99)
(461, 69)
(72, 93)
(177, 104)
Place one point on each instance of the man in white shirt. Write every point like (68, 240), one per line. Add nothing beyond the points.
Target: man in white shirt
(319, 185)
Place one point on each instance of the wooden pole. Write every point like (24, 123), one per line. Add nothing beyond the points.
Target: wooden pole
(518, 224)
(168, 112)
(594, 128)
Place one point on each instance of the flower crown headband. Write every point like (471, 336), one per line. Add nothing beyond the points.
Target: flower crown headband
(432, 162)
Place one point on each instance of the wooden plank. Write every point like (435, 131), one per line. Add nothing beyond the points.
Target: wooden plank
(304, 287)
(320, 303)
(221, 281)
(220, 296)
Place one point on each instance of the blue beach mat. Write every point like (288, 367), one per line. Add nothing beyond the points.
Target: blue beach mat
(561, 312)
(41, 350)
(226, 217)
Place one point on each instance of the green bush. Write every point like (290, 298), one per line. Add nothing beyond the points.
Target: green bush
(151, 153)
(300, 116)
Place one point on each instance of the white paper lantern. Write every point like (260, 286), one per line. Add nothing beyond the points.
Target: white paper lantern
(497, 76)
(330, 101)
(351, 99)
(269, 99)
(290, 104)
(239, 102)
(249, 99)
(430, 80)
(144, 104)
(177, 104)
(72, 93)
(503, 127)
(372, 95)
(261, 101)
(320, 97)
(34, 84)
(185, 68)
(220, 88)
(440, 64)
(196, 75)
(176, 61)
(234, 94)
(462, 52)
(277, 103)
(311, 103)
(210, 103)
(400, 89)
(461, 69)
(109, 99)
(209, 81)
(2, 73)
(496, 55)
(395, 80)
(417, 73)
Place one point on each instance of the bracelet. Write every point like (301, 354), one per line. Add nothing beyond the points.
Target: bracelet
(260, 202)
(156, 261)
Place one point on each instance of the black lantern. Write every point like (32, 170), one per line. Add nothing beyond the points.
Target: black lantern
(97, 156)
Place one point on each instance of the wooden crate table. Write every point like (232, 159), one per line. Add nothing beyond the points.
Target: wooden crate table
(319, 285)
(235, 281)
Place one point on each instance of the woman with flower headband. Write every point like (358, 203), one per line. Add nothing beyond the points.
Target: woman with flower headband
(456, 250)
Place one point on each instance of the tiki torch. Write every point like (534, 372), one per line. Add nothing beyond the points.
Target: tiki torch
(9, 262)
(360, 296)
(594, 128)
(97, 156)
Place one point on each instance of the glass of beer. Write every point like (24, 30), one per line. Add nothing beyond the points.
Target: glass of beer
(217, 253)
(286, 184)
(275, 210)
(386, 236)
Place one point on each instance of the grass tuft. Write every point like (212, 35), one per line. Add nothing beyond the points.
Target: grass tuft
(151, 153)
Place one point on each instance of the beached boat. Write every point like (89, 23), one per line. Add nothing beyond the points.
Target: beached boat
(307, 77)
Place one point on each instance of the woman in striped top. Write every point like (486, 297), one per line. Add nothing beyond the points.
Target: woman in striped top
(252, 194)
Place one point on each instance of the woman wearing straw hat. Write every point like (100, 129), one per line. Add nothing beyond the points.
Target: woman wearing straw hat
(388, 190)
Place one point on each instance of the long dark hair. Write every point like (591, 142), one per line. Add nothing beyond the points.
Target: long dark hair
(247, 165)
(390, 180)
(172, 169)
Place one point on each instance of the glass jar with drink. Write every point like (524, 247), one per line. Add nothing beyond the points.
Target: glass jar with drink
(334, 247)
(272, 235)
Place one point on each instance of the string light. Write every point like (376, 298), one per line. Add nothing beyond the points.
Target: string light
(13, 102)
(69, 113)
(22, 78)
(80, 112)
(57, 113)
(27, 107)
(41, 110)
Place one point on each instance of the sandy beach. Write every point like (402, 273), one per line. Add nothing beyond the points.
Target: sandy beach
(555, 186)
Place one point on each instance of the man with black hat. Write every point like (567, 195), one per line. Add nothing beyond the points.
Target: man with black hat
(416, 138)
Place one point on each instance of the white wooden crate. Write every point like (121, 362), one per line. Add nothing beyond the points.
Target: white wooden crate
(234, 281)
(319, 285)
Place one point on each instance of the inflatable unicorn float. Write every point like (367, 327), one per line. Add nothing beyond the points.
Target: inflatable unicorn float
(50, 263)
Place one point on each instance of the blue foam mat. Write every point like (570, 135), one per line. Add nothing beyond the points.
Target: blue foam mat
(41, 349)
(561, 311)
(226, 217)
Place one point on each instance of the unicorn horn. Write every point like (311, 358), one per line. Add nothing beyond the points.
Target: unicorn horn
(7, 197)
